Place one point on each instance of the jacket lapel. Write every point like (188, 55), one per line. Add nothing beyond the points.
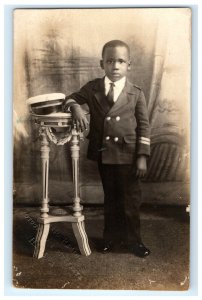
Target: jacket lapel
(127, 93)
(99, 93)
(124, 97)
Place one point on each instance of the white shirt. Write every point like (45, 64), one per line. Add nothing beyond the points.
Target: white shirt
(118, 86)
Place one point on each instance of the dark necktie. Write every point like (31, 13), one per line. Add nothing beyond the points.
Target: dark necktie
(110, 95)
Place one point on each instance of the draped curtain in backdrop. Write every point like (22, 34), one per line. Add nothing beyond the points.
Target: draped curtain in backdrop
(59, 51)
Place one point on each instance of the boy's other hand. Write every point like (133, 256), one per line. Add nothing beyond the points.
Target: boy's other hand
(141, 166)
(79, 117)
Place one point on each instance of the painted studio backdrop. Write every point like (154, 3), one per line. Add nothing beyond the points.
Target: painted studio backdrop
(58, 50)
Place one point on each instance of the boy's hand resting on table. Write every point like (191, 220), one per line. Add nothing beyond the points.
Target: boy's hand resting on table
(79, 117)
(141, 166)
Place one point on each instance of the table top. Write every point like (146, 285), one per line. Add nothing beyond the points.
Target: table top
(56, 119)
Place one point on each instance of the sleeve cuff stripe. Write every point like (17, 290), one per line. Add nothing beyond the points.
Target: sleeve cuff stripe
(70, 101)
(145, 142)
(144, 139)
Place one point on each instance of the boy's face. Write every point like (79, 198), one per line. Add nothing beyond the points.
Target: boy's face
(115, 62)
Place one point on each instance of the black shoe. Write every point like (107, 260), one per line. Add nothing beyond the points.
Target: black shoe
(140, 250)
(107, 247)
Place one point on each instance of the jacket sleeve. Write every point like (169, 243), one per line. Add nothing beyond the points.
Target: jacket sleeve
(81, 97)
(143, 127)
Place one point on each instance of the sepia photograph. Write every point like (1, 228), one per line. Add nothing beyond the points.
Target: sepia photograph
(101, 148)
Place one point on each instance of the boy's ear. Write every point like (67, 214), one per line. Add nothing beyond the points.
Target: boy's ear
(101, 64)
(129, 65)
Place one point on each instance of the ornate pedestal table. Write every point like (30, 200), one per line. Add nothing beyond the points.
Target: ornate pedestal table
(46, 124)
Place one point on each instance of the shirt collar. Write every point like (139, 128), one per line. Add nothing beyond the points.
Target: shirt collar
(119, 83)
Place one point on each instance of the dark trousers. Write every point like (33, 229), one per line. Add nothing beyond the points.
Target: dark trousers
(122, 200)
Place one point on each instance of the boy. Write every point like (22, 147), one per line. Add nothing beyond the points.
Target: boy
(118, 141)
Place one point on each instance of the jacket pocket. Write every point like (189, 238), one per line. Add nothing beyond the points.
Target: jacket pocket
(129, 143)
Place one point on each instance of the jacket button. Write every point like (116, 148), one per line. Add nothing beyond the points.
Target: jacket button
(118, 118)
(116, 139)
(107, 138)
(108, 118)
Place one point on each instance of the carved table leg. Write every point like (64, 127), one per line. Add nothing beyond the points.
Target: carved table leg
(78, 227)
(41, 238)
(43, 228)
(81, 237)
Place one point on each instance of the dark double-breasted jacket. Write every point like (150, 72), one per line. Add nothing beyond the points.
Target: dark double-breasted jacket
(119, 133)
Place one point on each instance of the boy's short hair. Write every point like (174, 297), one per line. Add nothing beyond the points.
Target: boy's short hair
(113, 44)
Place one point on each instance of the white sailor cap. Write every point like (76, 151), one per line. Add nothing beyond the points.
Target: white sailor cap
(46, 103)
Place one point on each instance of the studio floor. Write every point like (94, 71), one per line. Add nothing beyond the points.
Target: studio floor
(165, 231)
